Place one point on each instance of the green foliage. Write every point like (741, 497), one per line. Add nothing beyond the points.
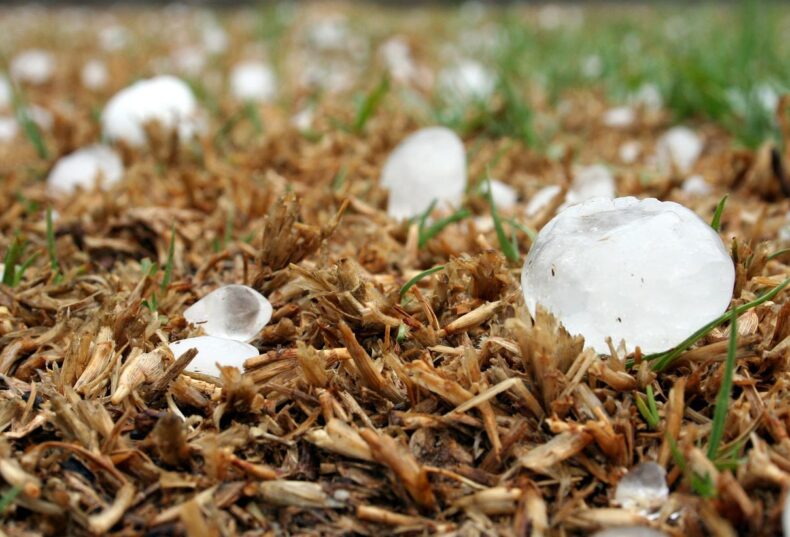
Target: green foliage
(15, 268)
(413, 281)
(8, 497)
(367, 106)
(53, 259)
(648, 410)
(508, 248)
(426, 233)
(723, 398)
(716, 222)
(169, 265)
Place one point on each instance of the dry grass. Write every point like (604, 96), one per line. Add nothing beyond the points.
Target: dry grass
(448, 411)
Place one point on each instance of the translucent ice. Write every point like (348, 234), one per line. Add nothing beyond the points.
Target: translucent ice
(679, 146)
(213, 350)
(164, 99)
(253, 81)
(233, 312)
(34, 66)
(467, 80)
(643, 488)
(428, 165)
(83, 168)
(645, 271)
(630, 531)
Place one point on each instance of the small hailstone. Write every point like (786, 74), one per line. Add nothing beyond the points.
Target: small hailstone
(541, 199)
(232, 312)
(82, 168)
(679, 146)
(630, 531)
(467, 80)
(589, 182)
(645, 271)
(94, 75)
(8, 129)
(696, 185)
(164, 99)
(505, 196)
(784, 231)
(6, 94)
(329, 33)
(113, 38)
(619, 117)
(189, 60)
(644, 487)
(34, 66)
(649, 96)
(253, 81)
(767, 96)
(428, 165)
(397, 57)
(40, 116)
(211, 350)
(303, 119)
(629, 151)
(592, 66)
(786, 516)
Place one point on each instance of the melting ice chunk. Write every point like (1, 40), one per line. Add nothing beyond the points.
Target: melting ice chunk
(428, 165)
(164, 99)
(643, 488)
(83, 168)
(630, 531)
(253, 81)
(645, 271)
(213, 350)
(679, 146)
(233, 312)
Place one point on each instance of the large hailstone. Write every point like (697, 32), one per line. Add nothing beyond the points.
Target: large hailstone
(648, 272)
(232, 312)
(253, 81)
(83, 168)
(164, 99)
(213, 350)
(428, 165)
(679, 146)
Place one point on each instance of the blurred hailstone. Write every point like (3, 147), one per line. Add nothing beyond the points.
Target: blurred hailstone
(8, 128)
(34, 66)
(467, 80)
(504, 195)
(164, 99)
(619, 117)
(233, 312)
(644, 488)
(84, 168)
(679, 147)
(594, 181)
(189, 60)
(113, 38)
(629, 151)
(94, 75)
(213, 350)
(592, 66)
(648, 95)
(6, 93)
(397, 57)
(696, 186)
(253, 81)
(427, 165)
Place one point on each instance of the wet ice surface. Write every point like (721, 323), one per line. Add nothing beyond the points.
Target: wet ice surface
(679, 147)
(630, 531)
(643, 488)
(213, 350)
(645, 271)
(234, 312)
(428, 165)
(164, 99)
(83, 168)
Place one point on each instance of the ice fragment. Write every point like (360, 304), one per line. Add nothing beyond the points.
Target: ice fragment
(233, 312)
(213, 350)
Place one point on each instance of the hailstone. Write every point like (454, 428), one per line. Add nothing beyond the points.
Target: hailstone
(629, 531)
(468, 80)
(643, 488)
(83, 168)
(679, 146)
(253, 81)
(213, 350)
(232, 311)
(428, 165)
(164, 99)
(644, 271)
(34, 66)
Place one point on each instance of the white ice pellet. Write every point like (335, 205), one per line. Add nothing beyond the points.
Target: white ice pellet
(589, 182)
(541, 199)
(233, 312)
(397, 57)
(34, 66)
(643, 271)
(467, 80)
(253, 81)
(629, 151)
(619, 117)
(6, 93)
(696, 185)
(644, 488)
(8, 128)
(94, 75)
(189, 60)
(679, 146)
(213, 350)
(504, 195)
(83, 168)
(427, 165)
(164, 99)
(648, 95)
(113, 38)
(786, 516)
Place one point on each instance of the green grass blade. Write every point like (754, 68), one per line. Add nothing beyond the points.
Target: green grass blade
(723, 398)
(169, 265)
(664, 359)
(510, 252)
(434, 229)
(423, 218)
(11, 259)
(778, 253)
(8, 497)
(31, 130)
(20, 272)
(644, 410)
(53, 258)
(369, 105)
(531, 233)
(651, 404)
(424, 274)
(716, 222)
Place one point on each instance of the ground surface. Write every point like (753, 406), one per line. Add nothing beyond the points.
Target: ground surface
(353, 419)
